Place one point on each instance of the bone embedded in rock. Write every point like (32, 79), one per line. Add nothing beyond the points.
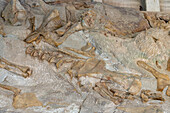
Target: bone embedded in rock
(163, 80)
(63, 29)
(51, 19)
(102, 89)
(168, 91)
(147, 95)
(16, 91)
(2, 30)
(26, 100)
(14, 12)
(23, 71)
(135, 87)
(168, 65)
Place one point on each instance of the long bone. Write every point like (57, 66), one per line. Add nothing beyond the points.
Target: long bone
(25, 71)
(163, 80)
(16, 91)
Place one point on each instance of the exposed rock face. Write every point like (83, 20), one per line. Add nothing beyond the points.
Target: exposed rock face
(153, 109)
(83, 57)
(14, 13)
(125, 20)
(151, 45)
(115, 20)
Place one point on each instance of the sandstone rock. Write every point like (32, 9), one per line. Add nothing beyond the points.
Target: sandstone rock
(112, 19)
(147, 109)
(37, 7)
(127, 50)
(126, 20)
(64, 1)
(58, 1)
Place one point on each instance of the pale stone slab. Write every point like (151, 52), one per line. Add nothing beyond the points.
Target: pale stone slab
(97, 0)
(152, 5)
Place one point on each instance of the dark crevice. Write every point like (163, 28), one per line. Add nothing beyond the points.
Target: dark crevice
(155, 40)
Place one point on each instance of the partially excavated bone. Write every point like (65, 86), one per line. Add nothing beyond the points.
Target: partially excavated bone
(50, 23)
(168, 65)
(23, 71)
(163, 80)
(157, 21)
(2, 31)
(115, 95)
(22, 100)
(14, 13)
(147, 95)
(16, 91)
(61, 31)
(2, 27)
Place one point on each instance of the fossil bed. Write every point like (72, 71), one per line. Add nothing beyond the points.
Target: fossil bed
(133, 47)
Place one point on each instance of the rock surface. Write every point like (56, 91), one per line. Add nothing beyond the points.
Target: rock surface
(110, 76)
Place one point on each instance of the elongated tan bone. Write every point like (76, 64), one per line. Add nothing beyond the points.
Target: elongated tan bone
(2, 30)
(163, 80)
(16, 91)
(168, 65)
(24, 70)
(88, 54)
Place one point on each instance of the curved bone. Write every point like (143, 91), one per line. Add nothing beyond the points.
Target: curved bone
(16, 91)
(163, 80)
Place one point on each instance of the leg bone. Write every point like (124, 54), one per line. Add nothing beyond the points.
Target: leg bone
(25, 71)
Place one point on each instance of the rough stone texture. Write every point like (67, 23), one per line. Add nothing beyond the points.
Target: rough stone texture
(128, 50)
(14, 13)
(115, 20)
(53, 88)
(126, 20)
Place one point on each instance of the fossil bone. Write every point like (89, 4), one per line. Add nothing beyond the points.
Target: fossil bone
(147, 95)
(163, 80)
(14, 12)
(24, 70)
(61, 31)
(2, 28)
(50, 23)
(22, 100)
(115, 95)
(16, 91)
